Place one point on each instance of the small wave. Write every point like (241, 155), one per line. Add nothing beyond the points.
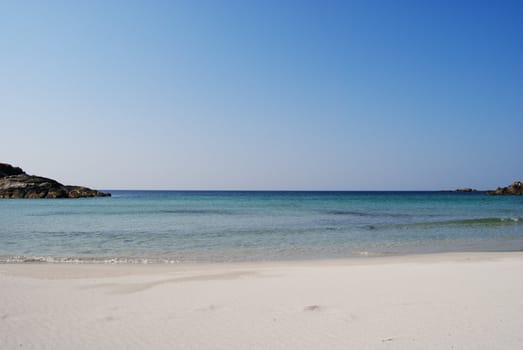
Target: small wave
(363, 213)
(79, 260)
(464, 222)
(347, 212)
(480, 221)
(485, 222)
(363, 253)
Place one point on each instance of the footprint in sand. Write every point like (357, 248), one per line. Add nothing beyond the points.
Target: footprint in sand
(208, 308)
(387, 339)
(108, 318)
(312, 308)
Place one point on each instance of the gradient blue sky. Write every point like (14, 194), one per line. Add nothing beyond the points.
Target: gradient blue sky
(347, 95)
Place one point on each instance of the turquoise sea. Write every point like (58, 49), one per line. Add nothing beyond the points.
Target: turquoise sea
(221, 226)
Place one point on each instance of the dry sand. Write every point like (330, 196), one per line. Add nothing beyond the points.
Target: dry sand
(444, 301)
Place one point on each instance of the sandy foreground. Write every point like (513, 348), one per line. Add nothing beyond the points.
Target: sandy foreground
(443, 301)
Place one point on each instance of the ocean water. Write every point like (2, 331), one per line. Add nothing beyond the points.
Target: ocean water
(197, 226)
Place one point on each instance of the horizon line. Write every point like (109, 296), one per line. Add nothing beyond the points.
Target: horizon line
(289, 190)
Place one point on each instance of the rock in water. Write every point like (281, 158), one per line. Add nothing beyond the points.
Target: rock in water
(15, 183)
(462, 190)
(516, 188)
(466, 190)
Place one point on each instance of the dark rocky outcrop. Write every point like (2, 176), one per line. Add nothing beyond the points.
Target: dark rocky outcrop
(8, 170)
(15, 183)
(516, 188)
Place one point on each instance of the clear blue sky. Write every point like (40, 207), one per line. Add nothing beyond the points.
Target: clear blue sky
(348, 95)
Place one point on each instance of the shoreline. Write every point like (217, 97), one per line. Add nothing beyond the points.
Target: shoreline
(66, 270)
(362, 258)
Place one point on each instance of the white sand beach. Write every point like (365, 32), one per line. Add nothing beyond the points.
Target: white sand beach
(441, 301)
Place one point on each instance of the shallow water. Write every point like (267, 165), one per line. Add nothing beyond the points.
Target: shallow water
(186, 226)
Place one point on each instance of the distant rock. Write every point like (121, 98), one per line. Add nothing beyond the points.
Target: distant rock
(462, 190)
(15, 183)
(466, 190)
(516, 188)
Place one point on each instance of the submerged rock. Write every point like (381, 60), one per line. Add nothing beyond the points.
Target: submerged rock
(516, 188)
(15, 183)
